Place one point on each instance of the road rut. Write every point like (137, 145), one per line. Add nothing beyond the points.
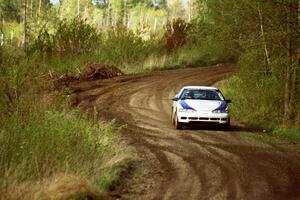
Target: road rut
(194, 163)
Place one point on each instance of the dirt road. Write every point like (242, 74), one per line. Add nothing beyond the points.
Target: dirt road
(200, 163)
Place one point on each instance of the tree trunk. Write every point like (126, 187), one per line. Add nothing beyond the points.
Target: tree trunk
(31, 9)
(190, 10)
(25, 23)
(109, 14)
(78, 8)
(155, 24)
(39, 12)
(267, 57)
(126, 13)
(291, 71)
(1, 23)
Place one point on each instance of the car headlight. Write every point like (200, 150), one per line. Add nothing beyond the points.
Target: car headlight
(220, 111)
(185, 110)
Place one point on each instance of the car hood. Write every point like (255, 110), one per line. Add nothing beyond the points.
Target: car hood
(202, 105)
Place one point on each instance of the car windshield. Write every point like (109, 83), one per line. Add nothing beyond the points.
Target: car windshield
(201, 94)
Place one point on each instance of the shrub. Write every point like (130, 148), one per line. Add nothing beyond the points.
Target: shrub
(70, 37)
(43, 141)
(122, 46)
(258, 97)
(175, 34)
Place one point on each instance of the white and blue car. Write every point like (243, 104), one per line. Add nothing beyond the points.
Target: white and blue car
(198, 104)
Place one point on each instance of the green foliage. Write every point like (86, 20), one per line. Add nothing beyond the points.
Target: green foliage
(175, 8)
(263, 137)
(41, 137)
(292, 134)
(111, 175)
(75, 36)
(253, 33)
(70, 37)
(256, 101)
(13, 80)
(258, 98)
(277, 136)
(16, 29)
(41, 144)
(69, 8)
(122, 47)
(10, 10)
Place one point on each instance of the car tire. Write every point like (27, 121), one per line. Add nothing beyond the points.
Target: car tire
(172, 118)
(226, 126)
(177, 124)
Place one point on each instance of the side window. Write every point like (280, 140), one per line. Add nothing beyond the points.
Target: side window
(184, 94)
(188, 94)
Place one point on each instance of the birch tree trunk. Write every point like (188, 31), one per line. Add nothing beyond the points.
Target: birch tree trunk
(190, 10)
(31, 9)
(25, 23)
(78, 8)
(39, 12)
(126, 13)
(109, 13)
(267, 57)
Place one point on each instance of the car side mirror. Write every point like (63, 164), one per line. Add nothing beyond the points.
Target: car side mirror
(228, 100)
(175, 99)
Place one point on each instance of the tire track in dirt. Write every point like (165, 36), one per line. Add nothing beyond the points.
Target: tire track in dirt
(203, 163)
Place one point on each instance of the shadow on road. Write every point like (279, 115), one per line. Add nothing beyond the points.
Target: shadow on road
(216, 127)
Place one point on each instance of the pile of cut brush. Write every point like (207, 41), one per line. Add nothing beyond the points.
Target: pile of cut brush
(92, 71)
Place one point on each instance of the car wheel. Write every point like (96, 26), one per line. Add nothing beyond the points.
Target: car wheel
(226, 126)
(177, 124)
(172, 118)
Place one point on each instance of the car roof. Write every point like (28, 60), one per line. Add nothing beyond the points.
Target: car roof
(200, 87)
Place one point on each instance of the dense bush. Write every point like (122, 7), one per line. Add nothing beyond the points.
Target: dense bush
(259, 97)
(256, 100)
(42, 140)
(266, 88)
(69, 37)
(175, 34)
(116, 45)
(45, 142)
(13, 81)
(122, 46)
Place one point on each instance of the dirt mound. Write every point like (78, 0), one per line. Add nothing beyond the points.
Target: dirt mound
(98, 71)
(92, 71)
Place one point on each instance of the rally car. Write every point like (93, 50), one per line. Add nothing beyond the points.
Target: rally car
(198, 104)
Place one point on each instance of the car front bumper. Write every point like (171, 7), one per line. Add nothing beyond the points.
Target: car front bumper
(185, 117)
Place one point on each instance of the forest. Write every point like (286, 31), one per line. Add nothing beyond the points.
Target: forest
(42, 38)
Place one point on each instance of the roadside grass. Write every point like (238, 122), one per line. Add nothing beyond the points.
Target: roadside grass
(153, 61)
(180, 58)
(47, 149)
(284, 137)
(48, 146)
(290, 135)
(262, 137)
(273, 134)
(67, 64)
